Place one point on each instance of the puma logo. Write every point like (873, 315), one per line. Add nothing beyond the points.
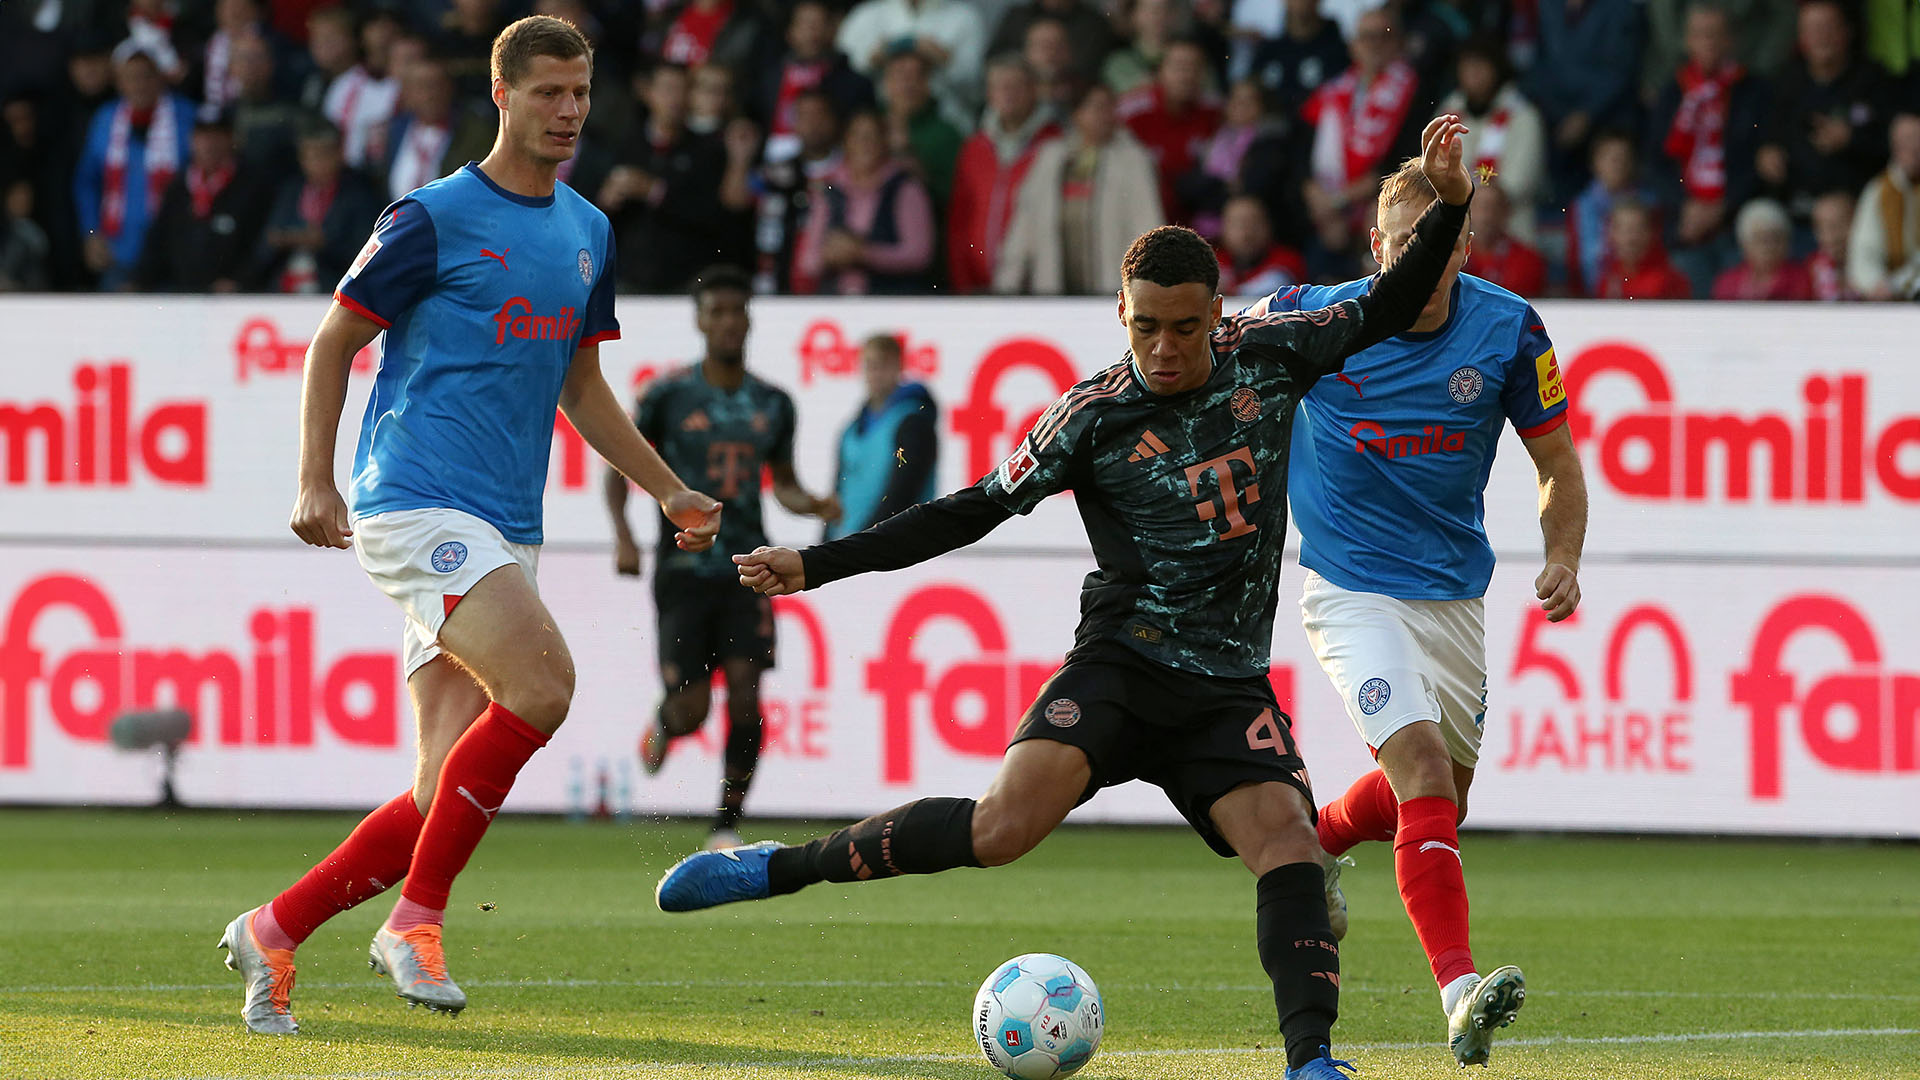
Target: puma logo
(484, 812)
(1431, 844)
(500, 258)
(1348, 379)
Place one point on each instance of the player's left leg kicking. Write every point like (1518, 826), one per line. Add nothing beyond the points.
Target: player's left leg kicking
(260, 943)
(1413, 678)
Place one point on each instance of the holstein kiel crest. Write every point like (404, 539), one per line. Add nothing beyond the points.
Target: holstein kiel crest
(586, 267)
(449, 556)
(1373, 695)
(1465, 385)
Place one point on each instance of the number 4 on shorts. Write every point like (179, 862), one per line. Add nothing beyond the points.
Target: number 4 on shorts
(1264, 734)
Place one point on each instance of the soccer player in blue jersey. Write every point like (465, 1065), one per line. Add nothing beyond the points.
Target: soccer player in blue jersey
(494, 287)
(1177, 459)
(1388, 478)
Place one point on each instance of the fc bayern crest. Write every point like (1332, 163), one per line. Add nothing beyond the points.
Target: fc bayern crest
(449, 556)
(1245, 405)
(1373, 695)
(1464, 386)
(1063, 712)
(586, 267)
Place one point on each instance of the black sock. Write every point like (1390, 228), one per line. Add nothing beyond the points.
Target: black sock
(923, 837)
(1301, 957)
(742, 758)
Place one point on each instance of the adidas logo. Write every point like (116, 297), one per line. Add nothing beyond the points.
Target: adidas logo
(1148, 446)
(696, 422)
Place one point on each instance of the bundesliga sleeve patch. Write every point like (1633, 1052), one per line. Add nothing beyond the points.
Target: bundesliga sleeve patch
(366, 253)
(1018, 466)
(1548, 369)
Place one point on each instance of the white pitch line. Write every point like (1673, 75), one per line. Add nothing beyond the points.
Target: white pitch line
(925, 984)
(749, 1068)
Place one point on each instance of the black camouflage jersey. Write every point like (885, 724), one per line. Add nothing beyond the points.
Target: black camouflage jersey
(1184, 495)
(720, 442)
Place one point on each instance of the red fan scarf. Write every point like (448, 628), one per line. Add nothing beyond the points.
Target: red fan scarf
(1697, 139)
(162, 161)
(1361, 137)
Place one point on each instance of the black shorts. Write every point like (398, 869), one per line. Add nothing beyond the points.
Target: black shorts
(705, 621)
(1196, 737)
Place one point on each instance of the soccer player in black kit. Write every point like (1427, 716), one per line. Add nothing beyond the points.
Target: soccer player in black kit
(1177, 457)
(717, 421)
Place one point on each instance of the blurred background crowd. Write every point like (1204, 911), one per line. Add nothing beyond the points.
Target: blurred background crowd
(1643, 149)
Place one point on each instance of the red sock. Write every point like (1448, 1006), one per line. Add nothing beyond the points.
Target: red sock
(367, 863)
(1426, 860)
(473, 785)
(1368, 811)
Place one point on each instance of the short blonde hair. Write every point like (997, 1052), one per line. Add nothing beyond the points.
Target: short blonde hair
(1407, 185)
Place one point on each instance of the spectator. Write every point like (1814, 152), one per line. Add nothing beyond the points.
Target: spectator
(1499, 256)
(1705, 132)
(1828, 121)
(1827, 266)
(207, 231)
(916, 131)
(362, 100)
(785, 188)
(1583, 77)
(678, 200)
(890, 449)
(1883, 254)
(319, 219)
(1616, 176)
(1636, 266)
(430, 137)
(150, 30)
(1505, 139)
(993, 162)
(265, 127)
(1154, 24)
(1253, 151)
(135, 145)
(1049, 52)
(1362, 120)
(1307, 52)
(811, 62)
(333, 50)
(29, 156)
(1763, 38)
(947, 33)
(723, 32)
(871, 228)
(1764, 272)
(24, 249)
(709, 99)
(1089, 33)
(233, 20)
(1252, 263)
(1084, 201)
(464, 43)
(1173, 117)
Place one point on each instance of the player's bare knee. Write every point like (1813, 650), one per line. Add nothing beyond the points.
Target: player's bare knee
(543, 697)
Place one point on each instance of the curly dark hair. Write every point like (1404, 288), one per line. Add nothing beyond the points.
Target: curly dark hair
(720, 278)
(1171, 255)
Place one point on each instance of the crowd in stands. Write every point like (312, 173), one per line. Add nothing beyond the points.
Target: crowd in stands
(1634, 149)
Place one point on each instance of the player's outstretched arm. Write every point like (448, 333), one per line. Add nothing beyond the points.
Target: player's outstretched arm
(595, 413)
(1393, 305)
(912, 536)
(319, 513)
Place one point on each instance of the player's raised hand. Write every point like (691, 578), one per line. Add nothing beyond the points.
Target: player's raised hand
(697, 515)
(1443, 158)
(1558, 588)
(320, 517)
(772, 571)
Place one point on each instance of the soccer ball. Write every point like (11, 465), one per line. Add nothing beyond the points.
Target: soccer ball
(1038, 1017)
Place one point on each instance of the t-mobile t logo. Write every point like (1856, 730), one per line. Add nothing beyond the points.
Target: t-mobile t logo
(1234, 493)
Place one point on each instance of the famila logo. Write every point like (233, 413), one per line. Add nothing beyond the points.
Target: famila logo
(516, 319)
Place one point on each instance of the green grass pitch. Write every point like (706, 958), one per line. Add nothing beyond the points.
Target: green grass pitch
(1645, 958)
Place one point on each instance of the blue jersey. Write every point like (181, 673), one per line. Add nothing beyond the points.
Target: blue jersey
(485, 296)
(1391, 456)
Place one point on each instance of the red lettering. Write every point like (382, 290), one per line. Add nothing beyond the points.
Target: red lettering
(982, 423)
(825, 351)
(266, 698)
(171, 438)
(258, 347)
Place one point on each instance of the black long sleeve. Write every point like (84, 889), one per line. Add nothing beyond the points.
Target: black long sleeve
(912, 536)
(1394, 303)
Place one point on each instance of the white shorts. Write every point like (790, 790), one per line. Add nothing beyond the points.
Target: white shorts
(426, 560)
(1398, 662)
